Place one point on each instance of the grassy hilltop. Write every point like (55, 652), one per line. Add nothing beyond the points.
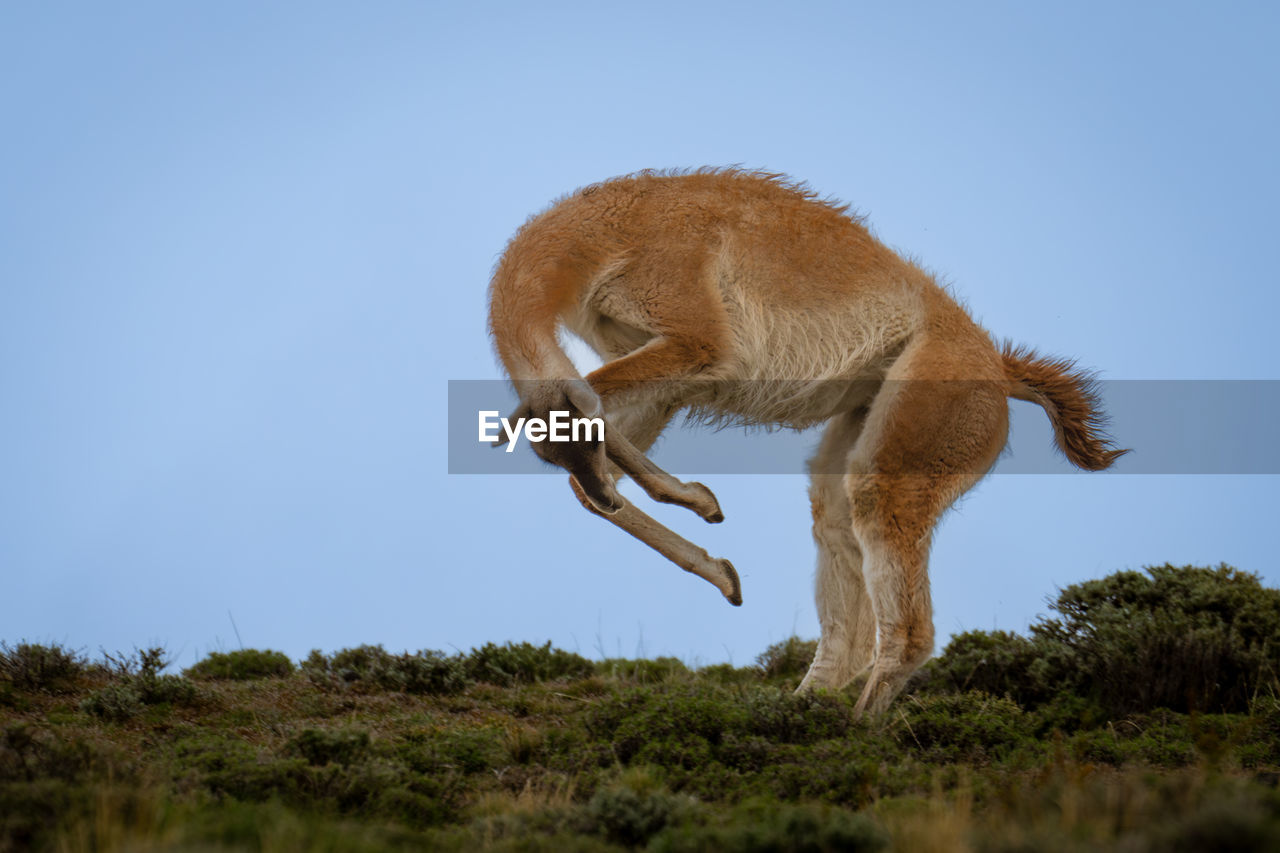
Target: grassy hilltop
(1143, 715)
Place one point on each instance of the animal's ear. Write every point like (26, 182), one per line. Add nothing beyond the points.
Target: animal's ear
(583, 397)
(522, 411)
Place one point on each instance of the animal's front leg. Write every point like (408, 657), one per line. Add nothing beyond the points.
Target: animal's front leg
(650, 375)
(656, 482)
(719, 573)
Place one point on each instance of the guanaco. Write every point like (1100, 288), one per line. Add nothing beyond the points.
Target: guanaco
(744, 296)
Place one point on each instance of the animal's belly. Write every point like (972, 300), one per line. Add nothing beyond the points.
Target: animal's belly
(790, 403)
(800, 366)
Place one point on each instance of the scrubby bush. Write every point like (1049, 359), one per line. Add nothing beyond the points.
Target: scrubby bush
(43, 778)
(997, 662)
(29, 752)
(770, 825)
(362, 662)
(784, 717)
(699, 730)
(157, 689)
(430, 672)
(114, 703)
(787, 659)
(427, 672)
(330, 746)
(137, 682)
(727, 673)
(962, 727)
(642, 671)
(1236, 821)
(465, 751)
(318, 668)
(1184, 638)
(242, 665)
(631, 818)
(168, 690)
(659, 724)
(31, 667)
(525, 663)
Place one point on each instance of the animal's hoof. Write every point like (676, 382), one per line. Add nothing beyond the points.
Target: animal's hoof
(608, 508)
(732, 586)
(600, 502)
(705, 504)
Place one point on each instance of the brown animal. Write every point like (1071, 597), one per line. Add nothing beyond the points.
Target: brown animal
(744, 297)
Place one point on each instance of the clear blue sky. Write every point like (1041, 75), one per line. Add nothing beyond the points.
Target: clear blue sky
(244, 246)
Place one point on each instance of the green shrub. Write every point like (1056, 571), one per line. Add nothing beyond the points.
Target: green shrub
(114, 703)
(688, 728)
(31, 667)
(435, 673)
(470, 750)
(169, 690)
(28, 753)
(996, 662)
(1188, 639)
(369, 664)
(787, 659)
(962, 727)
(526, 663)
(317, 667)
(426, 672)
(318, 770)
(661, 722)
(430, 672)
(1184, 638)
(156, 689)
(147, 662)
(137, 682)
(631, 818)
(785, 717)
(211, 752)
(1239, 822)
(43, 780)
(727, 673)
(465, 751)
(330, 746)
(773, 826)
(643, 671)
(256, 779)
(843, 772)
(242, 665)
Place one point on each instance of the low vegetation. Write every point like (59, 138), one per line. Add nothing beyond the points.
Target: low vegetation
(1144, 714)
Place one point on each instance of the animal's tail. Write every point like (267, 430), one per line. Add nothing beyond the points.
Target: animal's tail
(1070, 397)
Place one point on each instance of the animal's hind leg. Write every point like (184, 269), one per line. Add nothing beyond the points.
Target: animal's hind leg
(926, 442)
(844, 608)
